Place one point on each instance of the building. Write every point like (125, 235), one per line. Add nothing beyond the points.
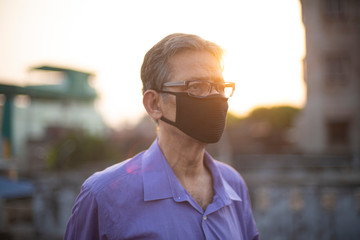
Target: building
(65, 100)
(330, 120)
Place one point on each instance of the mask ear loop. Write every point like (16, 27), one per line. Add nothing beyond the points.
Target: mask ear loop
(164, 119)
(167, 121)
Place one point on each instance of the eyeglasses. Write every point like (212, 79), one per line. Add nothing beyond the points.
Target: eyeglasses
(200, 88)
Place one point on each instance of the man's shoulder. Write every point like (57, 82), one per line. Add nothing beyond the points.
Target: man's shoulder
(117, 175)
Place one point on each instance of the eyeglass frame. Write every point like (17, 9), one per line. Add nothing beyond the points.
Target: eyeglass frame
(186, 83)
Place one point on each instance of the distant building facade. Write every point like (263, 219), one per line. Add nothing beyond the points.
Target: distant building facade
(29, 111)
(330, 120)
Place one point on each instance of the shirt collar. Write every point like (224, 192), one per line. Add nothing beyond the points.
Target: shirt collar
(155, 179)
(221, 186)
(160, 182)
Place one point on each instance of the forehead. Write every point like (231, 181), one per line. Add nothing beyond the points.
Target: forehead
(194, 65)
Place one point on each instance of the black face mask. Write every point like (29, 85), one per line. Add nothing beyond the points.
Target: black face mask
(201, 118)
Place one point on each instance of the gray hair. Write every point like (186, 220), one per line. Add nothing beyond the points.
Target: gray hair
(155, 69)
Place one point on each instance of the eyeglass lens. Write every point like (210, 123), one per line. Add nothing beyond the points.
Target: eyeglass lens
(201, 88)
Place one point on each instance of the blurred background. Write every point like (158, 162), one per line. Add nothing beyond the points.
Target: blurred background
(71, 104)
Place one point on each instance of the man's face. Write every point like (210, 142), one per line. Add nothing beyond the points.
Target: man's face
(190, 65)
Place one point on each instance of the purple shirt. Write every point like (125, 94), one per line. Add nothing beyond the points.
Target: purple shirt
(141, 198)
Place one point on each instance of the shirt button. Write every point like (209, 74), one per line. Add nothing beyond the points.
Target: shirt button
(204, 218)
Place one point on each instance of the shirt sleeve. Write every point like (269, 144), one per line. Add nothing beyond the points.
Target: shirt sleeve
(251, 225)
(254, 234)
(83, 223)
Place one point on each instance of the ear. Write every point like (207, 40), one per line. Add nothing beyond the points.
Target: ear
(151, 103)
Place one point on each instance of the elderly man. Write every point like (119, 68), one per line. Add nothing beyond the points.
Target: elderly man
(173, 190)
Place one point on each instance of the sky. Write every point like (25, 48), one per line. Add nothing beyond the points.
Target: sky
(263, 40)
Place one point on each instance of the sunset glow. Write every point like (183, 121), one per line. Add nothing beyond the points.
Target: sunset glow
(264, 43)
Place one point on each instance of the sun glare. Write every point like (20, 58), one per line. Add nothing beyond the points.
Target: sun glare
(264, 43)
(267, 66)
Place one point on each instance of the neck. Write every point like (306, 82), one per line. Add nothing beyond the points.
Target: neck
(184, 154)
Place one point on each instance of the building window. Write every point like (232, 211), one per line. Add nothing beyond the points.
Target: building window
(335, 9)
(22, 101)
(336, 69)
(338, 133)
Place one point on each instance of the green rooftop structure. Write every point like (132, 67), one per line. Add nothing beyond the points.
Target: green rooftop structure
(74, 87)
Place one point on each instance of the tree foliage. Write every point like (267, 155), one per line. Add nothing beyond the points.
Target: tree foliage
(76, 149)
(279, 117)
(264, 130)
